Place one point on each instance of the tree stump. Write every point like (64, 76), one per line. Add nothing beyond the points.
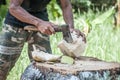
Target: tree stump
(85, 68)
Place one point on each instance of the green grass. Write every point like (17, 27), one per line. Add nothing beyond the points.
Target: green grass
(103, 42)
(20, 65)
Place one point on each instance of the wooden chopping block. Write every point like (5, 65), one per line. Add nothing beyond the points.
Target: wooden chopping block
(83, 69)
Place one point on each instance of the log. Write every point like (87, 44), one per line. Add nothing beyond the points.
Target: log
(85, 68)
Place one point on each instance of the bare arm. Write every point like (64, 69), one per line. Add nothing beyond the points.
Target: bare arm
(68, 17)
(17, 11)
(67, 12)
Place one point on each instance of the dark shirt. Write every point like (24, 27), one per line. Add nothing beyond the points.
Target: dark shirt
(34, 7)
(2, 2)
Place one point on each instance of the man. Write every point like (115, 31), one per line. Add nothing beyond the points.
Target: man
(20, 14)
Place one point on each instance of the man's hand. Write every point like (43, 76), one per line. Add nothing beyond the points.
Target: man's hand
(46, 27)
(79, 33)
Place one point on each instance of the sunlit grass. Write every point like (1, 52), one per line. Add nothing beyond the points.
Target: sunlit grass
(103, 42)
(20, 65)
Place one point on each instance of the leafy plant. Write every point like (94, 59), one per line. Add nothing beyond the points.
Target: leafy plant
(54, 10)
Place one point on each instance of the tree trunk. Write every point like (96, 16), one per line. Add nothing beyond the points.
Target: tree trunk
(86, 68)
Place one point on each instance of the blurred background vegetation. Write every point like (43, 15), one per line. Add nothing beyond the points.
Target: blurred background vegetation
(95, 18)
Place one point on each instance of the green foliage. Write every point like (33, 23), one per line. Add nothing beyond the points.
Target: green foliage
(81, 3)
(85, 2)
(100, 19)
(54, 10)
(21, 64)
(3, 10)
(85, 5)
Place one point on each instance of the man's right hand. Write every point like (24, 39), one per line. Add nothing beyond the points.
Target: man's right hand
(46, 27)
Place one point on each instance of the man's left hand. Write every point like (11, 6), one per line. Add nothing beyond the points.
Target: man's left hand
(78, 33)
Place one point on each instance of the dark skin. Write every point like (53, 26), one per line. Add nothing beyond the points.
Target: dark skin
(44, 27)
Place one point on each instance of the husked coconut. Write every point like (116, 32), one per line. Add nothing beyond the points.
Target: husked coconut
(74, 49)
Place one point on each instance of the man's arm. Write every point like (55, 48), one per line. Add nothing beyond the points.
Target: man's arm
(17, 11)
(68, 17)
(67, 12)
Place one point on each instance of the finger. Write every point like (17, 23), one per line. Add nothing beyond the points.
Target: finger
(56, 28)
(48, 32)
(84, 39)
(41, 30)
(79, 33)
(83, 36)
(51, 29)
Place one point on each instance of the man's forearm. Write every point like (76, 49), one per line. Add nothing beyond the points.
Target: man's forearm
(67, 12)
(23, 15)
(68, 17)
